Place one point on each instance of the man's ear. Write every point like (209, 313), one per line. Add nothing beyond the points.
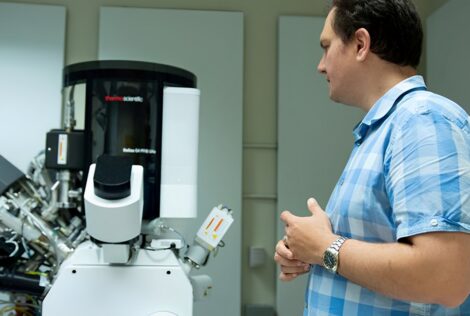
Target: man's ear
(362, 42)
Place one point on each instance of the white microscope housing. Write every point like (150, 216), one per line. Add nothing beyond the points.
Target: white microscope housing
(114, 193)
(113, 274)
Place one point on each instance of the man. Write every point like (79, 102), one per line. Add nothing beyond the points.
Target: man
(394, 238)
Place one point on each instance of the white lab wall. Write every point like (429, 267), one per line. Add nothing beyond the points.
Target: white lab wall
(315, 135)
(448, 52)
(31, 61)
(209, 44)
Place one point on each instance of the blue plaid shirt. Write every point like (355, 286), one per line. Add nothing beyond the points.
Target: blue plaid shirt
(408, 174)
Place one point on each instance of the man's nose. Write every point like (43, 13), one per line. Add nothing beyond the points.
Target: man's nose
(321, 67)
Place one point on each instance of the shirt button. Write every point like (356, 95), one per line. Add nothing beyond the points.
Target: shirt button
(434, 222)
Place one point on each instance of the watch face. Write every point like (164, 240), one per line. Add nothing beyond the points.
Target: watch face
(329, 260)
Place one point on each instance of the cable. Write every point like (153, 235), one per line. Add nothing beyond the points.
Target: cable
(9, 306)
(166, 227)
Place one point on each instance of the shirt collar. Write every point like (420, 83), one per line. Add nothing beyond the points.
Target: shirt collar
(385, 105)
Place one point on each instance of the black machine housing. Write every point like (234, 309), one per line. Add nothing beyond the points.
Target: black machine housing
(123, 114)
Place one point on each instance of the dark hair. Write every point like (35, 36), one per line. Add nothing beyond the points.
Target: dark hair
(394, 27)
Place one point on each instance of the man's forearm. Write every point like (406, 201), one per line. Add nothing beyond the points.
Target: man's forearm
(422, 271)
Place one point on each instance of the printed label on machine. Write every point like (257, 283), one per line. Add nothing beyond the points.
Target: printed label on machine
(139, 151)
(62, 150)
(215, 227)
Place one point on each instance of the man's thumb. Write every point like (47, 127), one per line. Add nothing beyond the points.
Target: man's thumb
(285, 216)
(313, 206)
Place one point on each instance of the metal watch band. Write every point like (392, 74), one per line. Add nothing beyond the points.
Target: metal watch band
(338, 243)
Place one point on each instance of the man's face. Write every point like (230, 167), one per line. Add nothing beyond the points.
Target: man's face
(337, 63)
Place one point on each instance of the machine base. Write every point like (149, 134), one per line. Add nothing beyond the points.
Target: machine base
(153, 284)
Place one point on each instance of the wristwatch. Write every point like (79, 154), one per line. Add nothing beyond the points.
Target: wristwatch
(331, 255)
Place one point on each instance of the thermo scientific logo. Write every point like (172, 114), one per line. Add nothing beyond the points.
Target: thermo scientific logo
(110, 98)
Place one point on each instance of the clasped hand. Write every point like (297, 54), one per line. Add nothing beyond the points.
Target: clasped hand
(307, 239)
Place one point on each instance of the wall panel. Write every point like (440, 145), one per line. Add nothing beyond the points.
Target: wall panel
(31, 62)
